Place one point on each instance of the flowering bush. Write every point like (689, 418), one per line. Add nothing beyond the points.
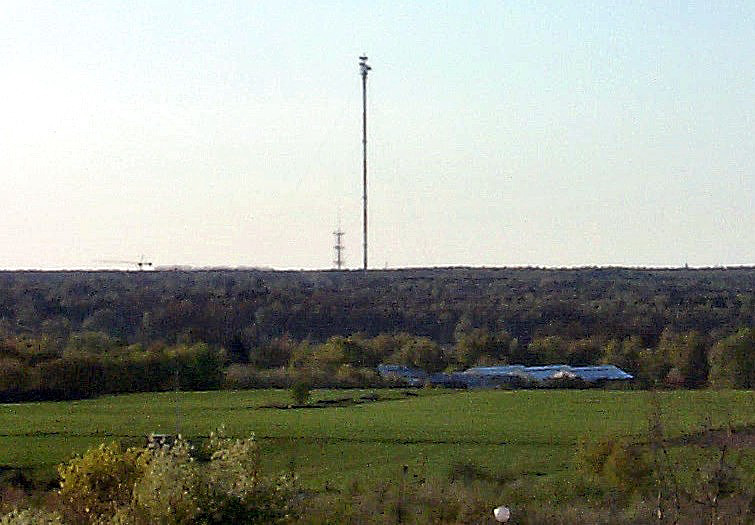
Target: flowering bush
(168, 486)
(97, 483)
(31, 517)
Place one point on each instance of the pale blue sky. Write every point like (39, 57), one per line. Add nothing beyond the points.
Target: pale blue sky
(500, 133)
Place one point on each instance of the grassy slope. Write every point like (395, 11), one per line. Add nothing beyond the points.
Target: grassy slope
(510, 433)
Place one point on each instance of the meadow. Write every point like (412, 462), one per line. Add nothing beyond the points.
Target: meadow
(508, 434)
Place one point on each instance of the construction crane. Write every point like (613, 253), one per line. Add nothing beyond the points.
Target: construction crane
(141, 264)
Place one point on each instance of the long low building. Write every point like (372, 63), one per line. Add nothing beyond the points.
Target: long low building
(407, 374)
(539, 374)
(492, 376)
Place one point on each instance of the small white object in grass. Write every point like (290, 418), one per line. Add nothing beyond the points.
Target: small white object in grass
(502, 514)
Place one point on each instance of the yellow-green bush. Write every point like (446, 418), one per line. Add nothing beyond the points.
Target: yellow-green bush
(168, 486)
(618, 464)
(31, 517)
(99, 482)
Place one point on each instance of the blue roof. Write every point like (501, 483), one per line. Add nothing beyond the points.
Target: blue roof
(542, 373)
(492, 375)
(495, 370)
(597, 373)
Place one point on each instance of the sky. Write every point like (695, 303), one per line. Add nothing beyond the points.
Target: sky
(499, 133)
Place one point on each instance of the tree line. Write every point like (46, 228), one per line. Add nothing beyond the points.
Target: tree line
(73, 334)
(91, 363)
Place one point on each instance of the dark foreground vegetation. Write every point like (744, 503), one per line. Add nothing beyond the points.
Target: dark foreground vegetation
(70, 335)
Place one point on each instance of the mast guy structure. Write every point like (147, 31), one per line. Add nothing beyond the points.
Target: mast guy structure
(338, 234)
(364, 69)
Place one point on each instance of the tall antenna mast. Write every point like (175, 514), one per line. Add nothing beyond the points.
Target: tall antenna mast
(338, 234)
(364, 68)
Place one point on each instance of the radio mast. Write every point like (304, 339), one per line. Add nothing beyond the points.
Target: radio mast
(364, 69)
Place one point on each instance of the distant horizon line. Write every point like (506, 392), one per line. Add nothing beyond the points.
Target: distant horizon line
(243, 268)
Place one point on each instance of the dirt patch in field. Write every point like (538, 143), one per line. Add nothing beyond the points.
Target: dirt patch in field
(743, 437)
(337, 402)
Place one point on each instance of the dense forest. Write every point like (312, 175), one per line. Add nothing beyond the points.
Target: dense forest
(677, 327)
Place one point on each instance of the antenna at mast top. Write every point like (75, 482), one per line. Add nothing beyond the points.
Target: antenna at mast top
(363, 67)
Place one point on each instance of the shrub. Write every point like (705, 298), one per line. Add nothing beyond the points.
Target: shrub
(241, 377)
(300, 391)
(616, 463)
(232, 490)
(403, 501)
(247, 376)
(98, 482)
(731, 361)
(166, 490)
(31, 517)
(168, 486)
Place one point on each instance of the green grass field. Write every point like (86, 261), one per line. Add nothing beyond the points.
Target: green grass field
(509, 433)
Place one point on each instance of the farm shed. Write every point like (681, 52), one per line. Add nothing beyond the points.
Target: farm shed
(408, 374)
(509, 375)
(454, 380)
(588, 374)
